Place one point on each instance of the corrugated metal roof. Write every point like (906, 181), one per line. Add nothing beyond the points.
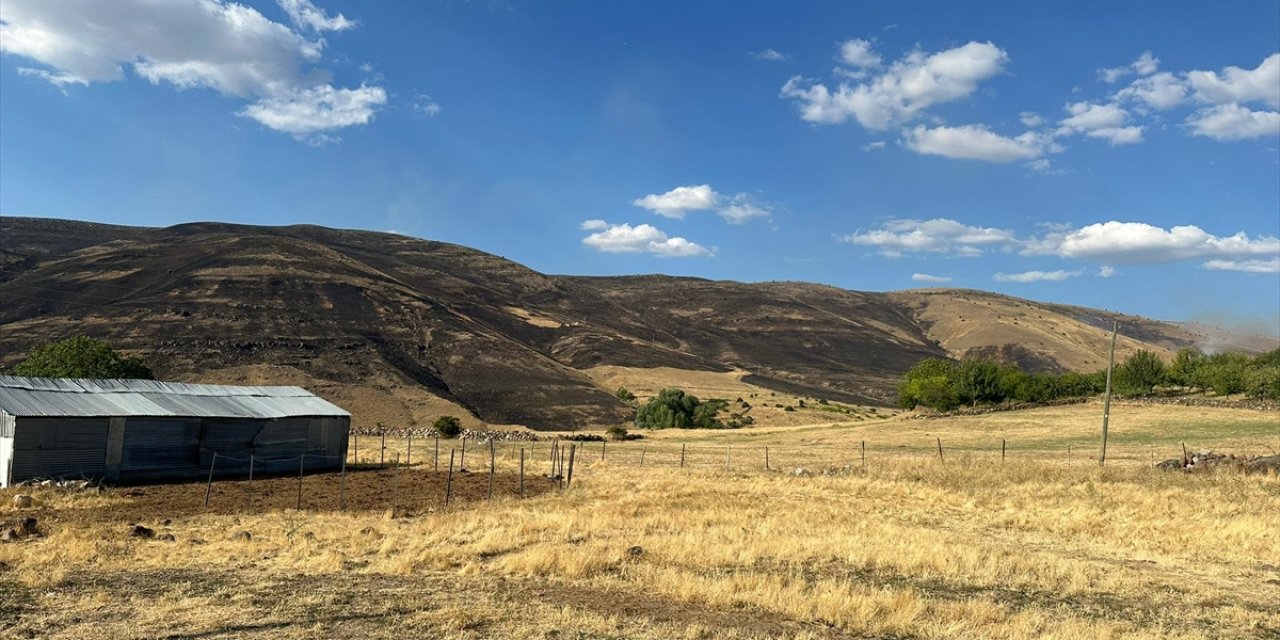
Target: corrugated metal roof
(32, 397)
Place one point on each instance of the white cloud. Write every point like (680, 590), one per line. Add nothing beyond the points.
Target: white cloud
(924, 277)
(772, 55)
(1036, 276)
(858, 53)
(679, 201)
(1104, 121)
(976, 142)
(209, 44)
(873, 146)
(305, 14)
(903, 91)
(1106, 271)
(426, 106)
(743, 208)
(1234, 122)
(1240, 85)
(1146, 64)
(1160, 91)
(1030, 119)
(1247, 266)
(643, 238)
(593, 225)
(940, 235)
(1116, 242)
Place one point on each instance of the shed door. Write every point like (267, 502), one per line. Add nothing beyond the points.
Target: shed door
(59, 448)
(160, 448)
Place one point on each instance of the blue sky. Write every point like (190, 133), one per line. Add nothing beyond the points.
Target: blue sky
(1123, 158)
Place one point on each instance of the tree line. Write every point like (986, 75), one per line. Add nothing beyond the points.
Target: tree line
(946, 384)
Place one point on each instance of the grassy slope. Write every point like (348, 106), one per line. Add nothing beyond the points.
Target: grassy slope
(1045, 545)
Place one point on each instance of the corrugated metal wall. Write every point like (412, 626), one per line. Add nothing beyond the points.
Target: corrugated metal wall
(59, 448)
(176, 448)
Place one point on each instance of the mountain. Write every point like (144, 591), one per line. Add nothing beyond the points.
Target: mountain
(399, 329)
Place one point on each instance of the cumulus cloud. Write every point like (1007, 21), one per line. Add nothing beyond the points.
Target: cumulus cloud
(1037, 276)
(306, 15)
(1234, 84)
(1146, 64)
(873, 146)
(680, 201)
(1106, 121)
(193, 44)
(1116, 242)
(977, 142)
(1234, 122)
(643, 238)
(424, 105)
(902, 91)
(1106, 271)
(772, 55)
(1030, 119)
(924, 277)
(940, 235)
(1247, 266)
(1160, 91)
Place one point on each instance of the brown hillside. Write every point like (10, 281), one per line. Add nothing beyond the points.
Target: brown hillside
(401, 330)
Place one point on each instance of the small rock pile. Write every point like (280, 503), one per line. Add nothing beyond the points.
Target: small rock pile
(428, 432)
(1206, 460)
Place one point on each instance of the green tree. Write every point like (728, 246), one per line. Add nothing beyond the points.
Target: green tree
(931, 383)
(1182, 371)
(625, 395)
(1224, 373)
(81, 357)
(448, 427)
(978, 381)
(1139, 374)
(673, 408)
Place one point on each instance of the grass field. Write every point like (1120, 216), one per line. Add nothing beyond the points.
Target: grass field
(1042, 545)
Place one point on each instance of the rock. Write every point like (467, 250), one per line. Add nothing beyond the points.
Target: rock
(23, 501)
(801, 472)
(1268, 464)
(635, 552)
(139, 531)
(28, 526)
(166, 537)
(9, 535)
(242, 535)
(1172, 464)
(166, 522)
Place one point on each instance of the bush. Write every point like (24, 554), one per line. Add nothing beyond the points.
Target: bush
(616, 432)
(1139, 374)
(448, 427)
(673, 408)
(625, 395)
(81, 357)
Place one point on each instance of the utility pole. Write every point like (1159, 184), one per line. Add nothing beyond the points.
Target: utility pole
(1106, 402)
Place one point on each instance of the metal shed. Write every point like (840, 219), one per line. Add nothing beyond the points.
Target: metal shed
(120, 430)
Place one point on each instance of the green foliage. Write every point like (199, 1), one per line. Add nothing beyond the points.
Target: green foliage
(625, 395)
(673, 408)
(81, 357)
(448, 426)
(1139, 374)
(929, 384)
(1182, 371)
(616, 432)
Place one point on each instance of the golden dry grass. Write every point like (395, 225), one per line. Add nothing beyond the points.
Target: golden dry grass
(1043, 545)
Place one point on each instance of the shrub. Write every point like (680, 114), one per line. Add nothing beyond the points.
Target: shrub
(616, 432)
(81, 357)
(448, 427)
(673, 408)
(625, 395)
(1139, 374)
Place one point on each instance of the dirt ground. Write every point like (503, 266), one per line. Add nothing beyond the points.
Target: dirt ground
(409, 491)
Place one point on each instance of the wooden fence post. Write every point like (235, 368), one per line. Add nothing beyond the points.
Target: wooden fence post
(572, 450)
(602, 443)
(408, 454)
(382, 456)
(298, 504)
(864, 455)
(682, 456)
(521, 472)
(940, 458)
(208, 488)
(357, 448)
(766, 459)
(462, 458)
(435, 461)
(491, 466)
(448, 483)
(642, 456)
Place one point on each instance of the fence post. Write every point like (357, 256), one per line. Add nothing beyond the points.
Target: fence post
(642, 457)
(301, 457)
(602, 443)
(357, 448)
(940, 458)
(208, 487)
(435, 461)
(728, 457)
(408, 454)
(766, 459)
(462, 458)
(395, 486)
(448, 483)
(572, 450)
(864, 455)
(249, 497)
(342, 486)
(682, 456)
(382, 456)
(491, 464)
(521, 472)
(1001, 449)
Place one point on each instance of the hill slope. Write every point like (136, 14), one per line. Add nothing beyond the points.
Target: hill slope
(400, 329)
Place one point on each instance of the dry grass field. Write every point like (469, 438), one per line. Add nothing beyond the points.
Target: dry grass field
(1042, 545)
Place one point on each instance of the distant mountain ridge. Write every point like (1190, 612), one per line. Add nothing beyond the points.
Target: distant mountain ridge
(367, 317)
